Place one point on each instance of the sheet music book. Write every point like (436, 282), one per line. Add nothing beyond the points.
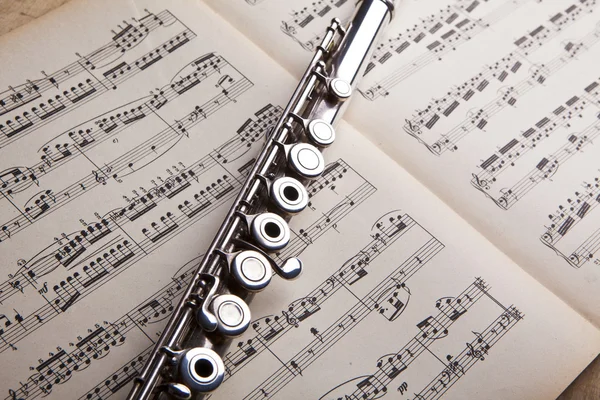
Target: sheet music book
(451, 246)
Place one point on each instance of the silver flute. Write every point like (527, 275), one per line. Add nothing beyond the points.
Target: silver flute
(186, 361)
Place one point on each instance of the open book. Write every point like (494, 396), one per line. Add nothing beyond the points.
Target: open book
(451, 248)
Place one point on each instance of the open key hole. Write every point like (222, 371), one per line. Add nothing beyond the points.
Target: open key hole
(291, 193)
(272, 229)
(204, 368)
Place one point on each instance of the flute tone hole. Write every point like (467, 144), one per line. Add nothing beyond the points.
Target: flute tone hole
(291, 193)
(204, 368)
(272, 229)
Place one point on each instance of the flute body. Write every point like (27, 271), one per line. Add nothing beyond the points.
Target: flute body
(186, 361)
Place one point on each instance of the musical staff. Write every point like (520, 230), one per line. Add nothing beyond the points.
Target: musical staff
(446, 31)
(271, 328)
(62, 251)
(567, 117)
(123, 255)
(205, 68)
(89, 77)
(116, 255)
(513, 190)
(580, 247)
(119, 379)
(586, 251)
(329, 336)
(86, 351)
(513, 76)
(475, 351)
(159, 306)
(123, 41)
(59, 368)
(561, 117)
(430, 330)
(323, 10)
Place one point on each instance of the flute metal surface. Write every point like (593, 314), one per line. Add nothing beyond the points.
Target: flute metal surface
(186, 361)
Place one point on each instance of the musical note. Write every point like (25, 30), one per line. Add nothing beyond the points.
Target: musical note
(432, 328)
(7, 323)
(137, 158)
(78, 92)
(40, 204)
(295, 28)
(543, 171)
(509, 68)
(390, 366)
(326, 338)
(392, 301)
(508, 156)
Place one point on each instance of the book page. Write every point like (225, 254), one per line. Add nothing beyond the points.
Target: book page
(289, 31)
(492, 105)
(504, 131)
(127, 129)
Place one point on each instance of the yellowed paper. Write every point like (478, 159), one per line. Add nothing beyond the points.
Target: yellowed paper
(492, 105)
(118, 164)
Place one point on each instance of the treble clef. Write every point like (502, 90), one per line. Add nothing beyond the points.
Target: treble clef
(474, 353)
(290, 319)
(411, 127)
(99, 178)
(480, 182)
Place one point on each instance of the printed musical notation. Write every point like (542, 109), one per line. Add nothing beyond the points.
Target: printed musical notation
(450, 310)
(461, 16)
(57, 369)
(569, 129)
(158, 307)
(220, 83)
(476, 350)
(388, 298)
(386, 231)
(385, 234)
(320, 10)
(432, 38)
(60, 365)
(512, 76)
(110, 245)
(339, 184)
(145, 319)
(91, 76)
(582, 244)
